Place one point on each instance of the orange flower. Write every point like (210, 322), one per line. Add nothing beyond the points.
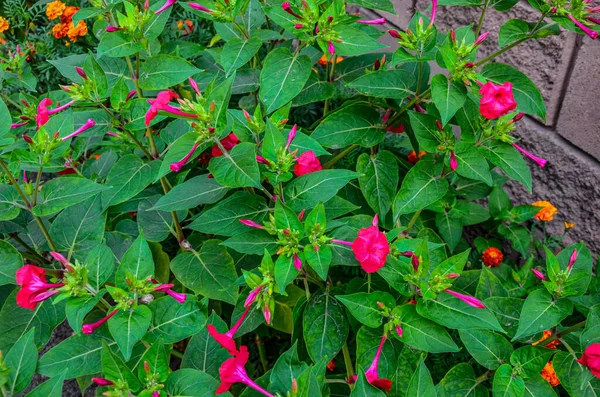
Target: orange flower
(492, 257)
(546, 335)
(412, 156)
(549, 374)
(323, 60)
(569, 225)
(75, 31)
(547, 212)
(186, 26)
(67, 15)
(55, 9)
(3, 24)
(331, 365)
(60, 30)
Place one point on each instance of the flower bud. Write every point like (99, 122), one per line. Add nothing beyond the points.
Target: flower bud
(111, 29)
(538, 275)
(251, 223)
(288, 8)
(267, 314)
(572, 260)
(399, 331)
(395, 34)
(298, 26)
(453, 36)
(27, 139)
(301, 215)
(102, 382)
(481, 38)
(81, 72)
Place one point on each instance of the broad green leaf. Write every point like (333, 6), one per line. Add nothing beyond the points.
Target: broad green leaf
(4, 115)
(60, 193)
(285, 271)
(21, 359)
(173, 322)
(379, 180)
(78, 307)
(591, 333)
(541, 311)
(156, 225)
(237, 168)
(508, 159)
(318, 260)
(395, 84)
(421, 383)
(114, 368)
(118, 44)
(511, 31)
(448, 96)
(287, 368)
(95, 72)
(203, 352)
(209, 272)
(489, 349)
(574, 377)
(538, 387)
(424, 334)
(421, 187)
(253, 242)
(163, 71)
(449, 226)
(527, 95)
(9, 203)
(349, 125)
(100, 263)
(364, 306)
(189, 382)
(11, 261)
(383, 5)
(129, 176)
(507, 384)
(119, 93)
(194, 192)
(461, 381)
(153, 28)
(531, 359)
(127, 327)
(236, 53)
(507, 311)
(471, 163)
(157, 357)
(179, 149)
(325, 326)
(426, 131)
(315, 90)
(363, 388)
(137, 263)
(451, 312)
(354, 41)
(581, 272)
(282, 78)
(53, 387)
(308, 190)
(518, 235)
(489, 285)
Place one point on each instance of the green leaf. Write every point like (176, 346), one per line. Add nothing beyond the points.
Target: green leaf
(80, 355)
(451, 312)
(424, 334)
(21, 359)
(236, 53)
(508, 159)
(581, 272)
(379, 180)
(137, 262)
(395, 84)
(426, 131)
(574, 377)
(319, 260)
(364, 306)
(209, 272)
(450, 227)
(421, 383)
(179, 149)
(487, 348)
(448, 96)
(461, 381)
(282, 78)
(51, 388)
(9, 203)
(60, 193)
(194, 192)
(118, 44)
(310, 189)
(507, 384)
(153, 28)
(531, 359)
(173, 322)
(325, 326)
(127, 327)
(287, 368)
(315, 90)
(354, 41)
(489, 285)
(129, 176)
(349, 125)
(253, 242)
(156, 225)
(471, 163)
(285, 271)
(95, 73)
(100, 263)
(507, 311)
(518, 235)
(157, 357)
(4, 115)
(591, 333)
(421, 187)
(11, 261)
(203, 352)
(528, 97)
(191, 383)
(541, 311)
(363, 388)
(383, 5)
(163, 71)
(77, 308)
(538, 387)
(511, 31)
(238, 168)
(115, 369)
(119, 93)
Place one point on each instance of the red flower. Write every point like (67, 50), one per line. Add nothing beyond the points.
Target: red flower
(496, 100)
(233, 371)
(34, 287)
(371, 247)
(43, 114)
(162, 103)
(306, 163)
(591, 359)
(372, 373)
(229, 142)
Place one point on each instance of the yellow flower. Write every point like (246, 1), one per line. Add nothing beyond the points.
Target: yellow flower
(75, 31)
(547, 212)
(60, 30)
(549, 374)
(569, 225)
(3, 24)
(55, 9)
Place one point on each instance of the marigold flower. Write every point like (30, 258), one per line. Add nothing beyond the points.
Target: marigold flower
(569, 225)
(412, 156)
(60, 30)
(55, 9)
(496, 100)
(546, 335)
(67, 15)
(371, 247)
(549, 374)
(591, 359)
(77, 31)
(547, 212)
(323, 60)
(492, 257)
(3, 24)
(306, 163)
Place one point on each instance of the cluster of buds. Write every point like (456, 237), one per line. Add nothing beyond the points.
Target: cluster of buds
(152, 379)
(136, 21)
(220, 11)
(15, 61)
(280, 165)
(415, 40)
(559, 278)
(580, 13)
(117, 388)
(394, 323)
(262, 288)
(86, 91)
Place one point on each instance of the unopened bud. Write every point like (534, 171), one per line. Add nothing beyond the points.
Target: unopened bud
(395, 34)
(380, 305)
(452, 275)
(81, 72)
(24, 102)
(301, 215)
(27, 139)
(439, 125)
(146, 367)
(453, 36)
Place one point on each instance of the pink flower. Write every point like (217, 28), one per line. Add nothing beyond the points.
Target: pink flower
(200, 7)
(538, 160)
(538, 275)
(229, 142)
(434, 4)
(469, 300)
(34, 286)
(288, 8)
(372, 373)
(167, 4)
(90, 328)
(592, 33)
(371, 247)
(86, 126)
(267, 314)
(194, 85)
(591, 359)
(251, 223)
(453, 162)
(162, 103)
(291, 137)
(43, 113)
(395, 34)
(378, 21)
(306, 163)
(297, 262)
(496, 100)
(233, 371)
(102, 382)
(166, 288)
(572, 260)
(178, 165)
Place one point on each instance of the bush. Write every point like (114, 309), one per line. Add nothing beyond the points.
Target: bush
(243, 196)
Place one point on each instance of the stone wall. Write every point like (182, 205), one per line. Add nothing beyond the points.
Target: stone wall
(566, 69)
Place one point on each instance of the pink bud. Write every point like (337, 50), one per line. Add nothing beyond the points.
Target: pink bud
(377, 64)
(25, 180)
(453, 162)
(469, 65)
(262, 160)
(453, 36)
(386, 116)
(395, 34)
(102, 382)
(110, 29)
(572, 259)
(342, 242)
(17, 125)
(434, 4)
(538, 275)
(439, 125)
(146, 5)
(86, 126)
(294, 386)
(112, 134)
(253, 295)
(62, 260)
(481, 38)
(178, 165)
(298, 26)
(518, 117)
(594, 20)
(301, 215)
(199, 7)
(297, 262)
(90, 328)
(452, 275)
(592, 33)
(251, 223)
(469, 300)
(81, 72)
(399, 331)
(267, 314)
(378, 21)
(538, 160)
(130, 95)
(317, 29)
(194, 85)
(247, 115)
(330, 19)
(288, 8)
(291, 136)
(155, 394)
(331, 47)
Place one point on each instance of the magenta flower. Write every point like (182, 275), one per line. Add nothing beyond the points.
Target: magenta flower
(167, 4)
(200, 7)
(233, 371)
(253, 295)
(453, 162)
(297, 262)
(287, 7)
(251, 223)
(434, 4)
(162, 103)
(166, 288)
(538, 160)
(86, 126)
(592, 33)
(178, 165)
(572, 259)
(378, 21)
(372, 373)
(469, 300)
(43, 113)
(90, 328)
(538, 275)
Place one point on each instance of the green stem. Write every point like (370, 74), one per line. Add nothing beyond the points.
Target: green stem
(412, 222)
(306, 286)
(501, 51)
(262, 353)
(27, 247)
(417, 99)
(481, 17)
(562, 333)
(340, 156)
(177, 353)
(569, 348)
(37, 185)
(369, 283)
(348, 362)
